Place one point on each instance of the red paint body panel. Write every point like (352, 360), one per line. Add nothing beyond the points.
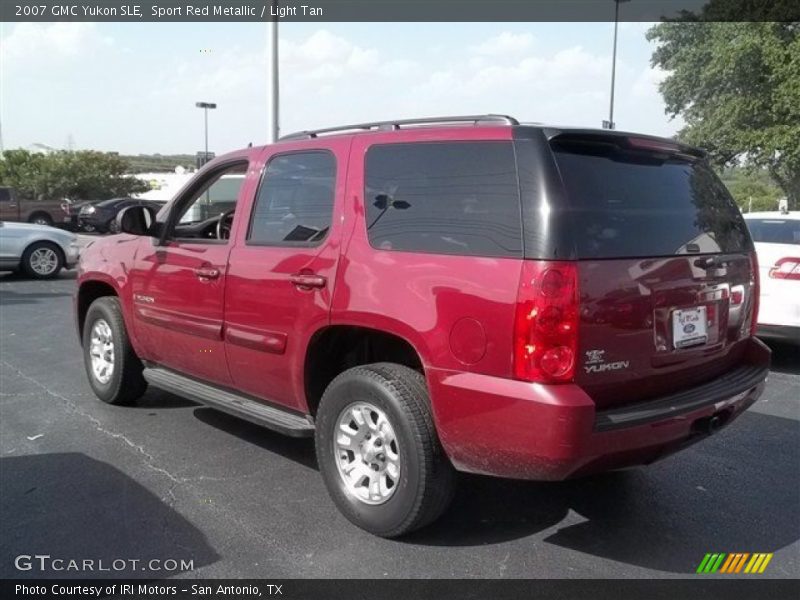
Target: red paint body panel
(261, 297)
(250, 327)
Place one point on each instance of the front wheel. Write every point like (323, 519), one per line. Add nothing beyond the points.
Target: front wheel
(42, 260)
(378, 451)
(114, 370)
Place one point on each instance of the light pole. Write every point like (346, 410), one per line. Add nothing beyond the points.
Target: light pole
(205, 106)
(610, 123)
(273, 76)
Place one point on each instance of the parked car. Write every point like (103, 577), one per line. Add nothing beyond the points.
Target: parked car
(777, 240)
(42, 212)
(72, 209)
(102, 216)
(432, 296)
(37, 250)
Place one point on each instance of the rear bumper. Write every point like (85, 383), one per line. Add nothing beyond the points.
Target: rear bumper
(521, 430)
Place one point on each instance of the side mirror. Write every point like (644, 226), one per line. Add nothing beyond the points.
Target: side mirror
(138, 220)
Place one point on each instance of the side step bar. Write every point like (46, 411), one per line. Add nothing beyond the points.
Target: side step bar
(233, 403)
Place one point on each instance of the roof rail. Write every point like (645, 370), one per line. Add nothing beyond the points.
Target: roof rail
(394, 125)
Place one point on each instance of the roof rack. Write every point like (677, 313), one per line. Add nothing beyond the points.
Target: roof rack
(394, 125)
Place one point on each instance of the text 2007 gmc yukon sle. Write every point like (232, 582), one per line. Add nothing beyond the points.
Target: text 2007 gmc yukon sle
(442, 295)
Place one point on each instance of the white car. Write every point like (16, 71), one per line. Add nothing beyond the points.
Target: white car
(38, 250)
(777, 239)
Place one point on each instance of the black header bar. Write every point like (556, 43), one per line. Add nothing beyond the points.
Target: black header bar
(140, 11)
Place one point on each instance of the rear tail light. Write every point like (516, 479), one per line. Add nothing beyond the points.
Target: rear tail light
(756, 290)
(546, 322)
(786, 268)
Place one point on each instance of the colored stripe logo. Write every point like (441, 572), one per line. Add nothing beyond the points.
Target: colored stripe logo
(736, 562)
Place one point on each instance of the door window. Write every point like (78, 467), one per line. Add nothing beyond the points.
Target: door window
(295, 202)
(207, 212)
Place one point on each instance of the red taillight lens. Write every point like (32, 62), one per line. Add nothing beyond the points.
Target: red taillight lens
(786, 268)
(756, 291)
(546, 323)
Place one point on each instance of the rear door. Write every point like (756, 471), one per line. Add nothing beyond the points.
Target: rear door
(282, 269)
(665, 275)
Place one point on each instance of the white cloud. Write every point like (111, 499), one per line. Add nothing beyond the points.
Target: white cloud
(31, 44)
(646, 85)
(505, 44)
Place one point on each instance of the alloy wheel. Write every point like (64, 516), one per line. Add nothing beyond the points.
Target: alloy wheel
(367, 453)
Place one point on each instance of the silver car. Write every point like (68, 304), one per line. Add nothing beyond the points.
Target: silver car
(38, 250)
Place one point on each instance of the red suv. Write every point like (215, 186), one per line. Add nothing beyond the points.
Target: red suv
(439, 295)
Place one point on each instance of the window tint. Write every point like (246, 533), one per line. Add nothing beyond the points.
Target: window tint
(5, 195)
(775, 231)
(445, 198)
(295, 200)
(637, 204)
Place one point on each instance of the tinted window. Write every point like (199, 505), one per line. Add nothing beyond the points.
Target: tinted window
(5, 195)
(295, 200)
(637, 204)
(445, 198)
(775, 231)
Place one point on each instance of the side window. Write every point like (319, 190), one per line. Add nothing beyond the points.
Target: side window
(444, 198)
(295, 200)
(5, 194)
(215, 197)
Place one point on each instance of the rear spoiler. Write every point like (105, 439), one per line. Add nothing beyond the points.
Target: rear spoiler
(623, 140)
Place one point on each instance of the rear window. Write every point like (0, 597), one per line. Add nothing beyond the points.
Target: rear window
(444, 198)
(641, 204)
(775, 231)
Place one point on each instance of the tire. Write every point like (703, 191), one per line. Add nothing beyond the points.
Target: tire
(124, 384)
(41, 219)
(425, 479)
(42, 260)
(113, 226)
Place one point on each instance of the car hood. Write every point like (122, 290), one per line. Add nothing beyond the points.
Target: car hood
(44, 228)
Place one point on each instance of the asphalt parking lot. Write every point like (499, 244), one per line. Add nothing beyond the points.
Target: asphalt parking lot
(168, 479)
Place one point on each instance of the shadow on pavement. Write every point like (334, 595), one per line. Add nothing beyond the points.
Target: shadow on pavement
(11, 297)
(785, 357)
(70, 506)
(155, 398)
(715, 497)
(300, 450)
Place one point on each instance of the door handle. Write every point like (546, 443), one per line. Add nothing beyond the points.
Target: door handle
(206, 273)
(307, 281)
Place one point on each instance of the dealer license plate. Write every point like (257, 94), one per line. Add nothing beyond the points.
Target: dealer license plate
(689, 327)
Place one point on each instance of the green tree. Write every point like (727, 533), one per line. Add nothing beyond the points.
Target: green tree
(82, 175)
(737, 86)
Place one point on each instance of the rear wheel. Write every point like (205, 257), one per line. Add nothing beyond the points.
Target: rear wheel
(378, 451)
(114, 370)
(42, 260)
(41, 219)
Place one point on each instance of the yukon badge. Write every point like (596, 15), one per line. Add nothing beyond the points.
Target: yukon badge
(595, 363)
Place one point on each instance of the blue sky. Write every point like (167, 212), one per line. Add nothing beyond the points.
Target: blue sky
(132, 87)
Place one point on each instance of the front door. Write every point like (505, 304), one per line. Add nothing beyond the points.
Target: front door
(179, 286)
(282, 270)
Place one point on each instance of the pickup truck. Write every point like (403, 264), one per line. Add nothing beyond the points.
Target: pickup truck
(42, 212)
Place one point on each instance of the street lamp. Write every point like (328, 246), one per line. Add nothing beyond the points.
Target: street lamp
(206, 106)
(610, 123)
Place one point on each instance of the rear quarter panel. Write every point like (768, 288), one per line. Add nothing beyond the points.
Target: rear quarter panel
(456, 311)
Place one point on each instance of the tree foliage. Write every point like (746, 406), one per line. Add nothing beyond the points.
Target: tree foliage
(82, 175)
(737, 86)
